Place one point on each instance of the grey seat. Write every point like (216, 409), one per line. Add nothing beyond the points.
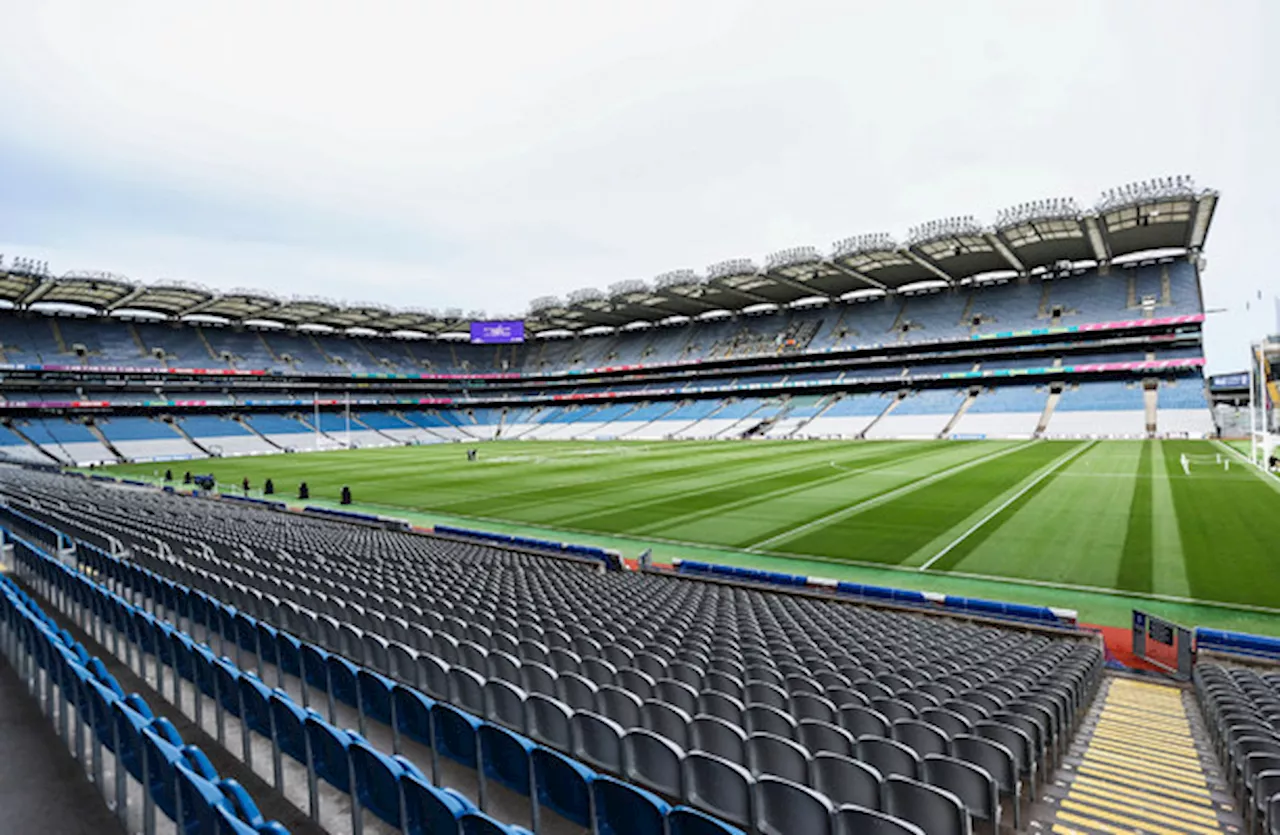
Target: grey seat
(859, 820)
(813, 706)
(779, 756)
(936, 811)
(895, 709)
(719, 787)
(716, 736)
(972, 785)
(921, 737)
(536, 677)
(666, 720)
(998, 761)
(504, 704)
(846, 780)
(619, 705)
(720, 705)
(675, 692)
(599, 671)
(725, 683)
(889, 757)
(503, 666)
(1016, 741)
(786, 808)
(950, 722)
(549, 721)
(769, 720)
(466, 689)
(824, 736)
(766, 693)
(637, 682)
(433, 676)
(597, 741)
(576, 691)
(863, 721)
(653, 762)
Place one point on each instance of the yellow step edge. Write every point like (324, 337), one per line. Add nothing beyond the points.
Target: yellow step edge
(1110, 810)
(1098, 826)
(1137, 740)
(1124, 704)
(1201, 815)
(1096, 785)
(1059, 829)
(1146, 755)
(1189, 778)
(1111, 774)
(1143, 733)
(1160, 721)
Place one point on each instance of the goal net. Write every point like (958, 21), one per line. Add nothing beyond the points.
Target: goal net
(1217, 461)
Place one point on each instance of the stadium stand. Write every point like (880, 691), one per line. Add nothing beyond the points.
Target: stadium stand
(469, 669)
(1012, 411)
(920, 414)
(1102, 409)
(145, 439)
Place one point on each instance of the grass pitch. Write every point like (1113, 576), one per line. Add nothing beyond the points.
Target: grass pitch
(1050, 515)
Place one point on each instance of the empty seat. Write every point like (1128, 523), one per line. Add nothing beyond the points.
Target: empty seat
(786, 808)
(719, 787)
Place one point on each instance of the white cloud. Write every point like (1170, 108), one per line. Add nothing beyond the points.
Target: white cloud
(538, 148)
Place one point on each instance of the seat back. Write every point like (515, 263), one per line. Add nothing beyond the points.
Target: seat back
(786, 808)
(719, 787)
(653, 761)
(974, 787)
(889, 756)
(781, 757)
(847, 781)
(623, 809)
(597, 741)
(857, 820)
(685, 821)
(936, 811)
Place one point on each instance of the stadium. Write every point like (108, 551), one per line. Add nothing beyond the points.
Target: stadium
(570, 418)
(905, 536)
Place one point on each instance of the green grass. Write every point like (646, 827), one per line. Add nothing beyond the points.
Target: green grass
(1095, 526)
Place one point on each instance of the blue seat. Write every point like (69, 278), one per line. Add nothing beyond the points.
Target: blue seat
(375, 695)
(342, 681)
(478, 823)
(315, 667)
(413, 714)
(623, 809)
(685, 821)
(201, 801)
(377, 779)
(504, 759)
(562, 785)
(288, 653)
(161, 759)
(330, 760)
(455, 734)
(432, 811)
(290, 726)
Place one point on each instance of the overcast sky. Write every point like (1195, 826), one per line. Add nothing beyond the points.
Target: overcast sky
(480, 154)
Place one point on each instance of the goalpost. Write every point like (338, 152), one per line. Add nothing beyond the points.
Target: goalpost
(1264, 433)
(1217, 460)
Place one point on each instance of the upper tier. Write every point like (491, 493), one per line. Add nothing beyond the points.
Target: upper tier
(1152, 291)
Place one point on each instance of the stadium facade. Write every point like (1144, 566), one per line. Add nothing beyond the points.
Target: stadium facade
(1052, 322)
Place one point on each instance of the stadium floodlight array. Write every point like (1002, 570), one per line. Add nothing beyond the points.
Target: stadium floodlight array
(453, 313)
(858, 244)
(542, 303)
(951, 227)
(678, 278)
(627, 287)
(792, 256)
(586, 294)
(732, 267)
(100, 275)
(27, 266)
(1052, 209)
(1148, 191)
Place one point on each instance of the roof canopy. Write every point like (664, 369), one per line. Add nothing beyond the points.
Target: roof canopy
(1165, 214)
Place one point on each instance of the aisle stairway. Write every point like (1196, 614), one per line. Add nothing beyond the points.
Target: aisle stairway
(1142, 762)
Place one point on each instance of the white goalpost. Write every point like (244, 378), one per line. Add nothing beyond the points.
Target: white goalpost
(1217, 461)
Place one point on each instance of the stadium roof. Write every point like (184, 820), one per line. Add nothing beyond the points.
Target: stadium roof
(1162, 215)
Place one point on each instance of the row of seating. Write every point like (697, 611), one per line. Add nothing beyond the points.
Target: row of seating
(391, 787)
(1242, 713)
(492, 664)
(93, 714)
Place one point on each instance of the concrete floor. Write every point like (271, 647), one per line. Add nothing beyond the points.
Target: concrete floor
(42, 788)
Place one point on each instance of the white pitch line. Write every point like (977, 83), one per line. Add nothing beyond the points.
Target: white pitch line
(882, 498)
(1076, 453)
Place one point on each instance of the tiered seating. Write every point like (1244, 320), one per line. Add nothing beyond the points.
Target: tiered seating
(124, 747)
(68, 441)
(395, 427)
(1184, 409)
(1010, 411)
(224, 436)
(290, 434)
(144, 439)
(1100, 409)
(334, 424)
(1242, 713)
(922, 414)
(14, 448)
(849, 417)
(772, 711)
